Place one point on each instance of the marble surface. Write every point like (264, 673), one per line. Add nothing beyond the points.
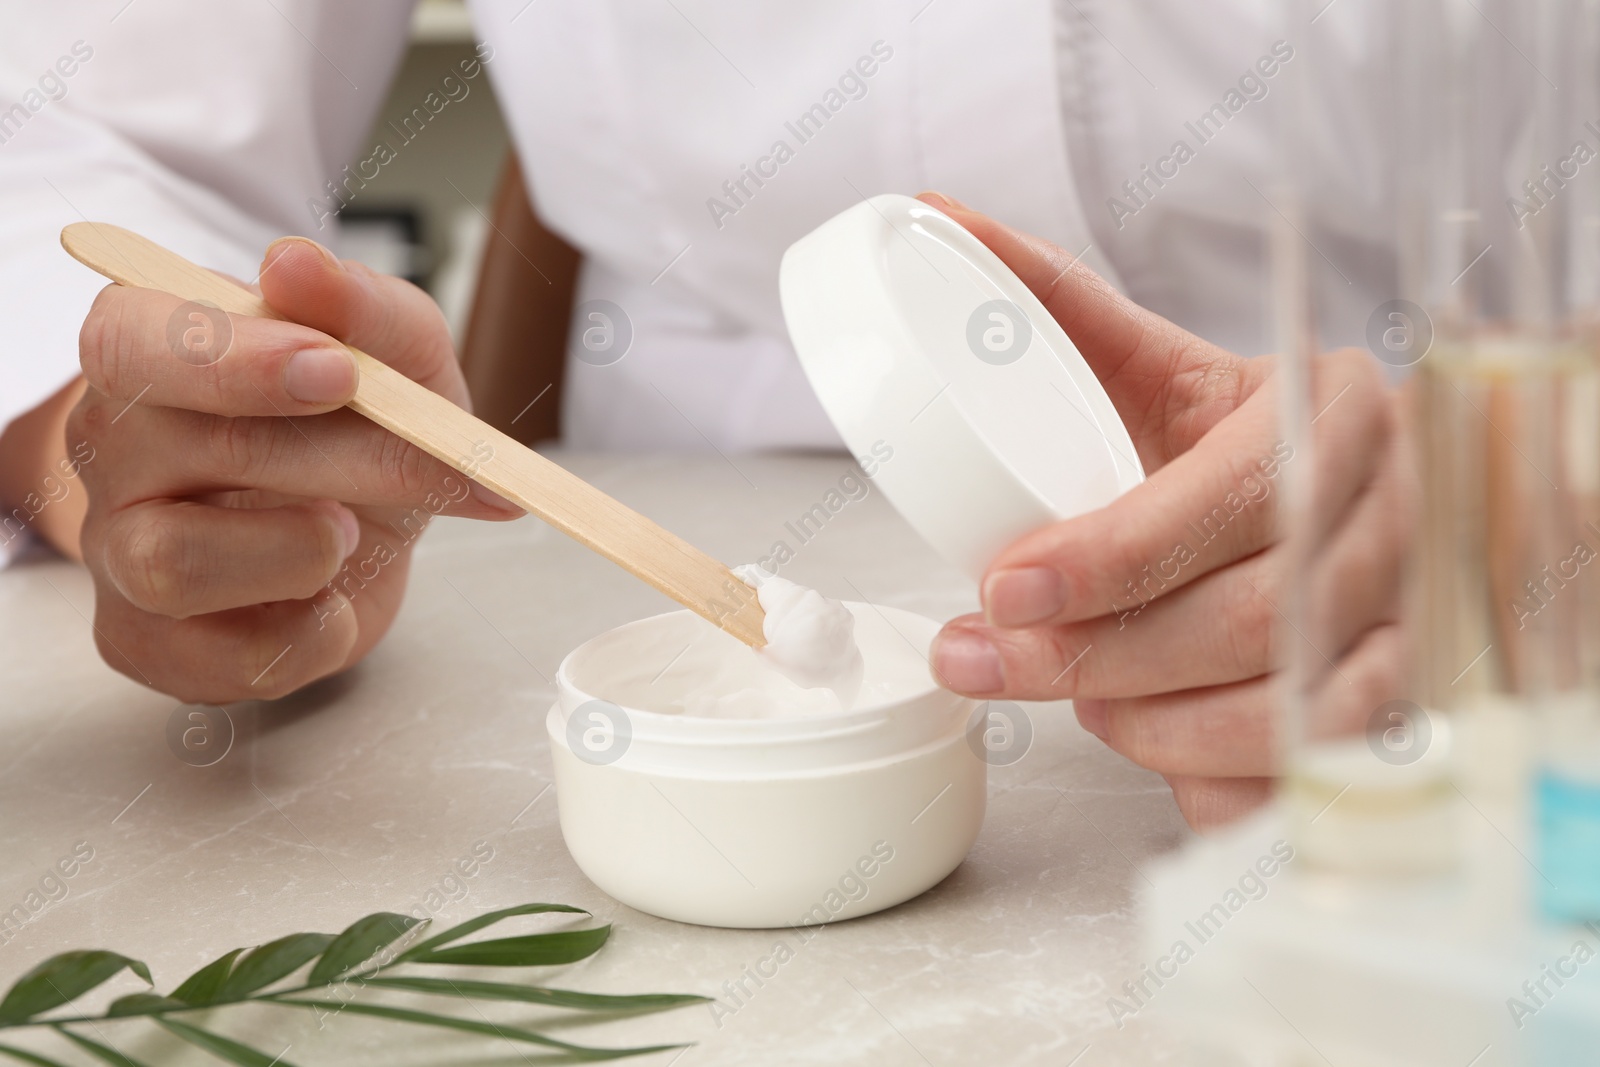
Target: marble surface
(359, 795)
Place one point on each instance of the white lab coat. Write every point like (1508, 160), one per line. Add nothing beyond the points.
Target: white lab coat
(214, 128)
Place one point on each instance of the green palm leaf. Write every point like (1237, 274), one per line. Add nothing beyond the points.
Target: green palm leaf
(99, 1051)
(28, 1057)
(270, 962)
(359, 942)
(555, 998)
(223, 1047)
(143, 1004)
(531, 950)
(450, 1022)
(357, 954)
(62, 978)
(472, 926)
(204, 985)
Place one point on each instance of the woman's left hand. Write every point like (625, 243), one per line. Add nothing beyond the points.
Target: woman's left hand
(1159, 615)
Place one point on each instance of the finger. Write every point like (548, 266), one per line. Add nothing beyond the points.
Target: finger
(137, 345)
(1375, 671)
(384, 316)
(339, 455)
(1210, 803)
(181, 558)
(1232, 731)
(256, 653)
(1220, 629)
(1210, 507)
(1225, 731)
(1357, 576)
(1207, 509)
(1225, 627)
(1169, 386)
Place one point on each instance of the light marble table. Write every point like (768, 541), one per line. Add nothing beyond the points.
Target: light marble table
(359, 795)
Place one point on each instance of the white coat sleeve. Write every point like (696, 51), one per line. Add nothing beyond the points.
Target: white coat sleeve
(211, 128)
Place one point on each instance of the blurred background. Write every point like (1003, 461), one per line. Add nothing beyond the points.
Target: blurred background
(425, 216)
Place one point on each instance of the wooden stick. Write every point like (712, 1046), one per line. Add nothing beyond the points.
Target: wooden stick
(465, 442)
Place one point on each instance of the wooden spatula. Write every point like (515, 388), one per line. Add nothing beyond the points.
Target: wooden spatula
(445, 431)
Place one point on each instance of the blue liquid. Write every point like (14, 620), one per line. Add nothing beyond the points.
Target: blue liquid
(1568, 824)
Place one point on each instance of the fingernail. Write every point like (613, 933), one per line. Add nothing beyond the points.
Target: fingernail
(320, 376)
(346, 527)
(968, 662)
(1092, 716)
(1023, 596)
(493, 499)
(349, 529)
(277, 248)
(942, 202)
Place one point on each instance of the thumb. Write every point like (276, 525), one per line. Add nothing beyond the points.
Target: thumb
(1209, 508)
(386, 317)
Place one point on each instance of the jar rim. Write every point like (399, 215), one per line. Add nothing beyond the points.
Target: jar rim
(701, 743)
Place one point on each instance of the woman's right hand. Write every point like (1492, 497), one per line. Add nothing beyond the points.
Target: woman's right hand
(246, 534)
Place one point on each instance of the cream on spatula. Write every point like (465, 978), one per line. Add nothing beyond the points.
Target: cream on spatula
(466, 443)
(811, 640)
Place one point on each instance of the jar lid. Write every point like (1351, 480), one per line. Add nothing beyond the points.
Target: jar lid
(963, 399)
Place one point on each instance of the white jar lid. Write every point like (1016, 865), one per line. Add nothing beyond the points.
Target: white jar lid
(973, 411)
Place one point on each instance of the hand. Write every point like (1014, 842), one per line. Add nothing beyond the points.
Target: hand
(37, 475)
(1159, 615)
(246, 534)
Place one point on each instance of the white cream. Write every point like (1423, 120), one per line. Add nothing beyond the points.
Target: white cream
(686, 666)
(811, 640)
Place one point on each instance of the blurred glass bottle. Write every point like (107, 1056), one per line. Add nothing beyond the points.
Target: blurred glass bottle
(1491, 196)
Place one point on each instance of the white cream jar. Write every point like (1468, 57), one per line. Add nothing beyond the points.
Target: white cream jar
(703, 789)
(801, 818)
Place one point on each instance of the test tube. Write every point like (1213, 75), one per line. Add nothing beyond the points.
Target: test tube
(1489, 680)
